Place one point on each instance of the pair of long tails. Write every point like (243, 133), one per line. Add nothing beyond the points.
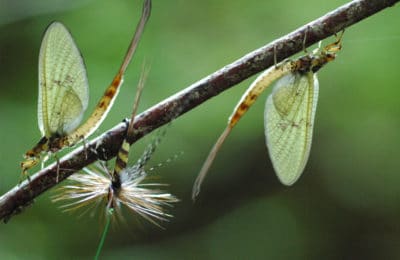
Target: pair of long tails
(63, 91)
(289, 113)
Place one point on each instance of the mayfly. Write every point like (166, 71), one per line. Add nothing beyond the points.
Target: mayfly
(123, 185)
(289, 113)
(63, 91)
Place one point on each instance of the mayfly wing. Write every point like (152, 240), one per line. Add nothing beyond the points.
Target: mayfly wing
(289, 119)
(249, 97)
(63, 84)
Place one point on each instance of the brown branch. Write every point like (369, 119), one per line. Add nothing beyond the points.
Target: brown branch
(106, 146)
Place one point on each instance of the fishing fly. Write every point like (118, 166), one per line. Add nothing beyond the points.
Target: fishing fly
(289, 113)
(64, 94)
(122, 186)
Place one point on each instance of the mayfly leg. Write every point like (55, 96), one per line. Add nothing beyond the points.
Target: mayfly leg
(58, 167)
(305, 39)
(337, 45)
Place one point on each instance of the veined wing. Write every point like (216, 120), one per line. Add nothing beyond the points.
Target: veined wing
(63, 84)
(289, 118)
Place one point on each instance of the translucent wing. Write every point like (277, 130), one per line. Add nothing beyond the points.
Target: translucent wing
(63, 84)
(289, 118)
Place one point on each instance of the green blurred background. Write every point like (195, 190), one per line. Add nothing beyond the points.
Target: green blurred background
(346, 204)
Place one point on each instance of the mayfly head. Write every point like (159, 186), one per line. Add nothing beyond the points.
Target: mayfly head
(28, 163)
(33, 156)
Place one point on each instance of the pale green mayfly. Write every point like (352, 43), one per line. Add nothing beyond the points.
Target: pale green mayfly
(289, 113)
(63, 91)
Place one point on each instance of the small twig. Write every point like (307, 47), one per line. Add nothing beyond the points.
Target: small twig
(106, 146)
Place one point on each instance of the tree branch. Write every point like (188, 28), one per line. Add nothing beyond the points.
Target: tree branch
(106, 146)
